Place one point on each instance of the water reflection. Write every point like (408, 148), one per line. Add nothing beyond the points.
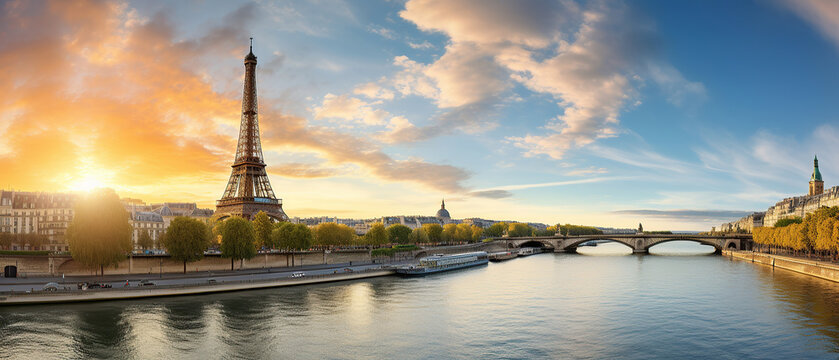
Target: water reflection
(546, 305)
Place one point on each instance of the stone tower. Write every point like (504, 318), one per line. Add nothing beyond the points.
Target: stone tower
(816, 183)
(248, 190)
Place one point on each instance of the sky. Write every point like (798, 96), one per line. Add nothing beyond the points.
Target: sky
(679, 115)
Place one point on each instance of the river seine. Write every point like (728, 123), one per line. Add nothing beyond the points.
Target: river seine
(676, 303)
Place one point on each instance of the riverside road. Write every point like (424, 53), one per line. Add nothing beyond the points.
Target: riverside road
(193, 278)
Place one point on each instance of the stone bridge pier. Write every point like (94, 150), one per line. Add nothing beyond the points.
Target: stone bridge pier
(639, 243)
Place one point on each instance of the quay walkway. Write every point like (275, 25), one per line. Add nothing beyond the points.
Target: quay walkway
(177, 289)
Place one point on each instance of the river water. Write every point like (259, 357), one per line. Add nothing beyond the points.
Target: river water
(676, 303)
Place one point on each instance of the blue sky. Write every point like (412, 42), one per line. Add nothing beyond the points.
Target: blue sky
(677, 114)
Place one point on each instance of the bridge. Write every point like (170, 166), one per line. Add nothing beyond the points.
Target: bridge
(639, 243)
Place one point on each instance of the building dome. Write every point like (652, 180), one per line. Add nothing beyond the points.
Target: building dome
(443, 213)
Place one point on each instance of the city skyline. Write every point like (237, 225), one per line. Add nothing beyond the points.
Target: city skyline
(372, 111)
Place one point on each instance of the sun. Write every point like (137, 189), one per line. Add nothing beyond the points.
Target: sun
(86, 184)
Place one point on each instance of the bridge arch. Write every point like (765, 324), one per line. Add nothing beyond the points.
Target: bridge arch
(535, 243)
(576, 243)
(710, 242)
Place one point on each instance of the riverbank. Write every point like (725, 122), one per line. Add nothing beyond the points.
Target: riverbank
(65, 296)
(819, 269)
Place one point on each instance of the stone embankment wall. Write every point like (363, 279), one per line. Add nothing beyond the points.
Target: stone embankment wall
(818, 269)
(34, 266)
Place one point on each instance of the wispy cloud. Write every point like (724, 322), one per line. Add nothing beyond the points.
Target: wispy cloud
(555, 183)
(822, 14)
(686, 214)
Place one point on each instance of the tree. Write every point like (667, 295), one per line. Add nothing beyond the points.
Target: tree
(496, 230)
(434, 232)
(418, 236)
(292, 236)
(281, 236)
(99, 234)
(332, 234)
(788, 221)
(144, 241)
(187, 239)
(398, 233)
(262, 228)
(519, 229)
(640, 228)
(569, 229)
(35, 241)
(463, 233)
(6, 240)
(237, 239)
(161, 238)
(377, 235)
(477, 232)
(449, 233)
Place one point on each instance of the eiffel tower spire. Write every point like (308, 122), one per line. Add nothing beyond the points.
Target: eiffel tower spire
(249, 191)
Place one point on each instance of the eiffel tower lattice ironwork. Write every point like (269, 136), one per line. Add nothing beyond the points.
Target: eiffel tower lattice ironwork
(248, 190)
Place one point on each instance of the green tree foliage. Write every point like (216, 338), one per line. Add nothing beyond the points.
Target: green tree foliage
(571, 230)
(418, 236)
(496, 230)
(186, 240)
(292, 236)
(449, 233)
(434, 232)
(262, 229)
(377, 235)
(519, 229)
(463, 233)
(788, 221)
(99, 234)
(640, 228)
(238, 241)
(477, 233)
(398, 233)
(332, 234)
(144, 240)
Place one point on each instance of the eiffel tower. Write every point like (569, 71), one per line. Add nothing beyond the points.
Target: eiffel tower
(248, 190)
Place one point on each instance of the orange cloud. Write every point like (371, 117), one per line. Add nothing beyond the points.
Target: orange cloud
(92, 89)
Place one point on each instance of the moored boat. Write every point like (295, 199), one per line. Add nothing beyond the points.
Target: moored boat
(529, 251)
(502, 255)
(440, 262)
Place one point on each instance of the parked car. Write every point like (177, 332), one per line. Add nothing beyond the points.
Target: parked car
(145, 282)
(51, 286)
(211, 281)
(348, 270)
(298, 274)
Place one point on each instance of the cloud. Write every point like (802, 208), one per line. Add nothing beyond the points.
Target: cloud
(588, 171)
(554, 183)
(349, 108)
(130, 103)
(425, 45)
(822, 14)
(591, 60)
(679, 90)
(491, 194)
(533, 23)
(383, 32)
(372, 90)
(301, 170)
(686, 214)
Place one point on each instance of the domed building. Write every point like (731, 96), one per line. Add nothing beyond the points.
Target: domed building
(443, 214)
